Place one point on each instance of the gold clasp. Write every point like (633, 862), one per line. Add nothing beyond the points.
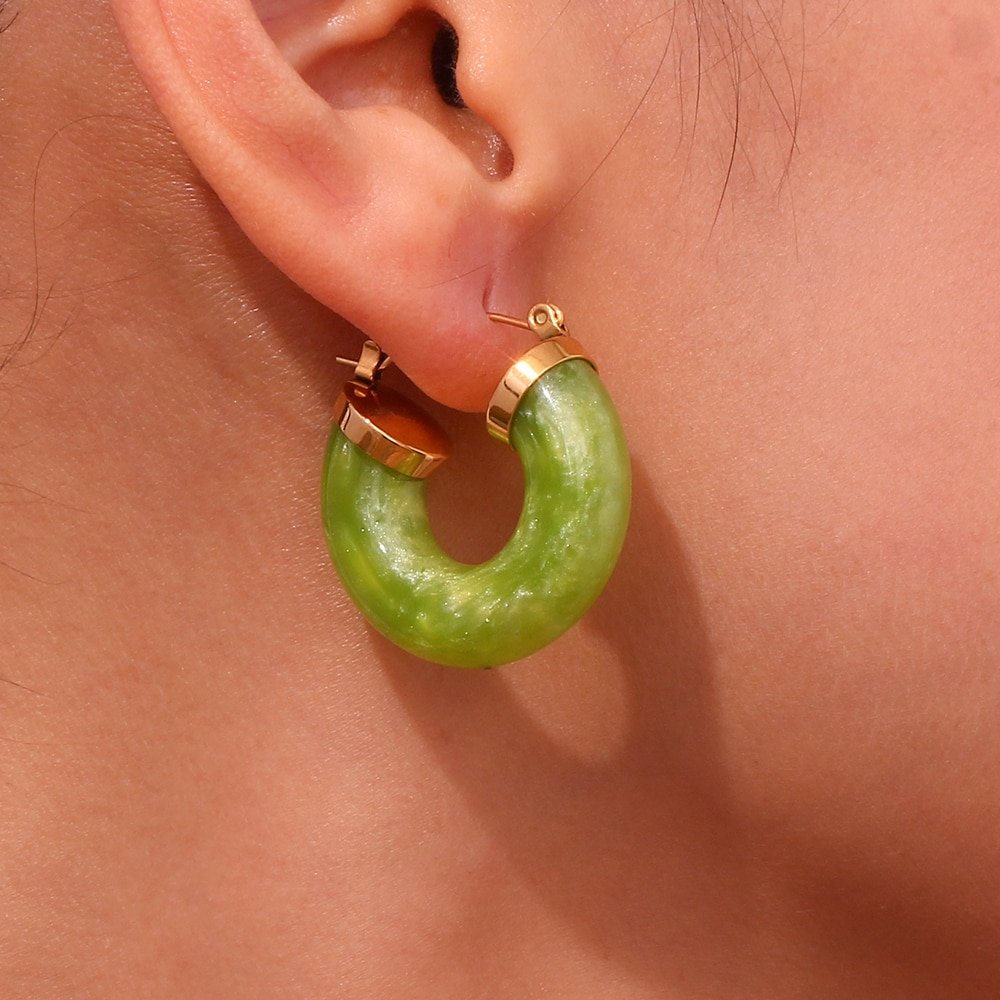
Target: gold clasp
(369, 367)
(384, 424)
(544, 319)
(556, 347)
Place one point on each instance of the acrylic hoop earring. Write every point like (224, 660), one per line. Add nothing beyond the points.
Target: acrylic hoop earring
(553, 409)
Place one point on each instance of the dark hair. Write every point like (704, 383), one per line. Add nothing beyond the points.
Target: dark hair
(6, 20)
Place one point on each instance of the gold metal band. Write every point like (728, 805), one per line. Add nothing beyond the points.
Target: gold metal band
(523, 374)
(391, 429)
(395, 432)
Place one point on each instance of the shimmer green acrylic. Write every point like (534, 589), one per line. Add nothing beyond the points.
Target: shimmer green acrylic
(565, 545)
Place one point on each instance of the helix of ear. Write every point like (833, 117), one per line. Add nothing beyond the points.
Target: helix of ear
(553, 409)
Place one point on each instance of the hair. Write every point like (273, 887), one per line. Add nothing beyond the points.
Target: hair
(6, 20)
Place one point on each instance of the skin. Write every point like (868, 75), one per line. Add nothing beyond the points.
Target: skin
(764, 764)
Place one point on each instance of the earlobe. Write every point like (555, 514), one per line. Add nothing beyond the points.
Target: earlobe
(332, 149)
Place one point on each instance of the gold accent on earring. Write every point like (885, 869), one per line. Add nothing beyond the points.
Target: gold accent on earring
(556, 347)
(544, 319)
(385, 424)
(369, 367)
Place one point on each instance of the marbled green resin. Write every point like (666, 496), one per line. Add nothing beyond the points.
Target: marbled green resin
(565, 545)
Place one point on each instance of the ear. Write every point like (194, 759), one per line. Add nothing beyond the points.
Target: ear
(320, 126)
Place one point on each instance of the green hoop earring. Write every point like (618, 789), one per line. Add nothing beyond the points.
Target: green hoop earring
(553, 409)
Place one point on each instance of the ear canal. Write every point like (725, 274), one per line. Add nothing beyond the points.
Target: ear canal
(444, 66)
(413, 66)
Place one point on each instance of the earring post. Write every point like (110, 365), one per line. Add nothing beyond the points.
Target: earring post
(370, 365)
(508, 320)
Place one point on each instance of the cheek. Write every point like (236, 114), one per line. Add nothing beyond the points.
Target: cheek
(835, 485)
(857, 635)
